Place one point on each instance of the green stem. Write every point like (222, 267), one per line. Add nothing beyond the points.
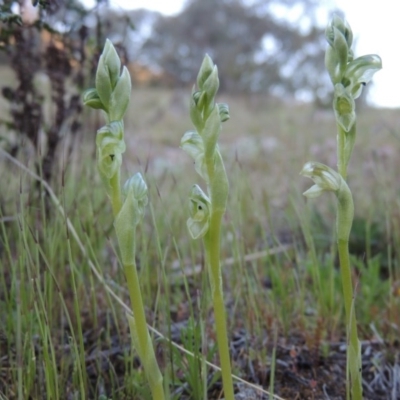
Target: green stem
(212, 245)
(341, 142)
(344, 223)
(116, 200)
(145, 347)
(353, 352)
(137, 304)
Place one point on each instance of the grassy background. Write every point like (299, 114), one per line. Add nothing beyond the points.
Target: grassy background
(63, 336)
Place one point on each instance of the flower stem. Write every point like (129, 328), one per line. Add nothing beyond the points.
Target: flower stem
(145, 349)
(341, 140)
(345, 215)
(116, 200)
(353, 350)
(141, 334)
(212, 245)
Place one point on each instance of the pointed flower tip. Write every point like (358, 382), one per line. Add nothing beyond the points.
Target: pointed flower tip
(307, 169)
(206, 69)
(208, 60)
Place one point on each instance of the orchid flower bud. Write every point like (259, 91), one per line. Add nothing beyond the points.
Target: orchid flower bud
(110, 146)
(211, 85)
(107, 74)
(130, 215)
(193, 144)
(91, 99)
(195, 112)
(137, 184)
(223, 110)
(336, 56)
(120, 96)
(200, 99)
(199, 211)
(340, 63)
(327, 179)
(344, 107)
(342, 26)
(324, 177)
(348, 34)
(205, 71)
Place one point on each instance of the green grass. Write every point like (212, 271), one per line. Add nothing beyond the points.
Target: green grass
(64, 335)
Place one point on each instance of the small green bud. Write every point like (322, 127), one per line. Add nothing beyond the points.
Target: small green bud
(205, 70)
(107, 74)
(324, 177)
(120, 96)
(195, 112)
(342, 26)
(196, 96)
(348, 34)
(192, 143)
(131, 213)
(336, 57)
(199, 211)
(110, 146)
(344, 107)
(113, 131)
(137, 184)
(92, 99)
(200, 98)
(112, 61)
(211, 84)
(223, 110)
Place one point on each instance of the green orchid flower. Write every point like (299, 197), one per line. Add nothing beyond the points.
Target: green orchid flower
(199, 211)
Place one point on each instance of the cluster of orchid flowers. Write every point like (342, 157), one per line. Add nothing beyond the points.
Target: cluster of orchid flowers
(201, 144)
(348, 76)
(112, 94)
